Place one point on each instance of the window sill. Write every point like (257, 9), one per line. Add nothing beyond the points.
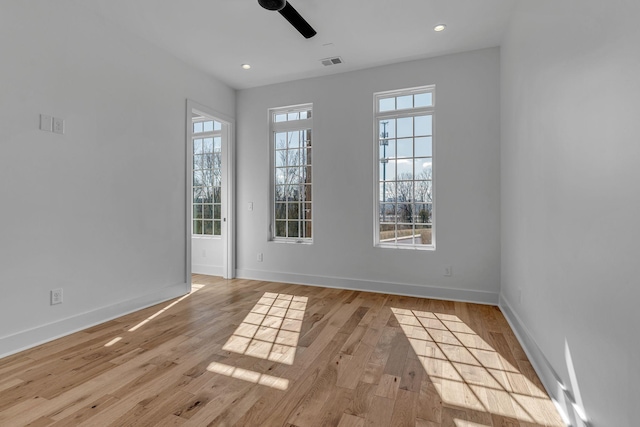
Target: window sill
(290, 241)
(406, 246)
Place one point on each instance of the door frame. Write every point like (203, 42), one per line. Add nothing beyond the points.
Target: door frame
(228, 189)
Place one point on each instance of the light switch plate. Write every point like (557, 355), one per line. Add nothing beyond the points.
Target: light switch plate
(45, 123)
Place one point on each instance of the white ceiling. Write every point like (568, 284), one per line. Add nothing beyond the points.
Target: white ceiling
(217, 36)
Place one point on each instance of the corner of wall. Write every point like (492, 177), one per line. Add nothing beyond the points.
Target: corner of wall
(560, 395)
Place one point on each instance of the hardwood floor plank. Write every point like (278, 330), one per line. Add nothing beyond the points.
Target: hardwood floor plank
(342, 358)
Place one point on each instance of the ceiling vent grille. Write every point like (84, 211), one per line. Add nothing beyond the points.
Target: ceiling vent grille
(331, 61)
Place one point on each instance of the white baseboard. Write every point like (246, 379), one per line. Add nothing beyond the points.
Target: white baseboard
(29, 338)
(421, 291)
(209, 270)
(551, 381)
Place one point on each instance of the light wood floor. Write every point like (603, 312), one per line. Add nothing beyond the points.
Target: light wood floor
(250, 353)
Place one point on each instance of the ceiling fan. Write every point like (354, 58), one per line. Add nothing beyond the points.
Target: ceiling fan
(291, 15)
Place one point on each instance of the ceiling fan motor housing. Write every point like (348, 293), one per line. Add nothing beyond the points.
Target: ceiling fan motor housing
(273, 4)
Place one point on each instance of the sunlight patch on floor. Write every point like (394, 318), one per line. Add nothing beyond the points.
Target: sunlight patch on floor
(194, 289)
(250, 376)
(470, 373)
(271, 329)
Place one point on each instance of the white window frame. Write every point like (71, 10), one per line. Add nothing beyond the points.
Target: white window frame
(202, 135)
(288, 126)
(395, 114)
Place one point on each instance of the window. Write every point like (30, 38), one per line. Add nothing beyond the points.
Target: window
(404, 168)
(207, 176)
(291, 191)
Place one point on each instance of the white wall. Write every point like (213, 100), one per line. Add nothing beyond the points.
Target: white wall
(99, 211)
(342, 254)
(570, 199)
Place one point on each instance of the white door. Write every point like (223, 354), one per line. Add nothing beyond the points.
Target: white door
(209, 190)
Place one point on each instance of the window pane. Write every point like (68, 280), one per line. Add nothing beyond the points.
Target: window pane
(423, 100)
(217, 126)
(404, 234)
(280, 193)
(217, 212)
(293, 139)
(405, 169)
(306, 229)
(216, 228)
(207, 211)
(293, 157)
(281, 176)
(307, 211)
(305, 192)
(197, 146)
(293, 210)
(404, 191)
(422, 168)
(207, 227)
(387, 104)
(281, 117)
(388, 170)
(292, 228)
(405, 127)
(423, 234)
(197, 227)
(281, 229)
(404, 102)
(197, 127)
(387, 233)
(197, 211)
(281, 158)
(423, 125)
(405, 147)
(281, 211)
(387, 148)
(423, 147)
(281, 140)
(217, 144)
(423, 191)
(305, 175)
(387, 128)
(198, 194)
(292, 193)
(207, 146)
(293, 176)
(423, 213)
(387, 191)
(207, 126)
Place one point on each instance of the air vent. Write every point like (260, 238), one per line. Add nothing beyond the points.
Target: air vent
(331, 61)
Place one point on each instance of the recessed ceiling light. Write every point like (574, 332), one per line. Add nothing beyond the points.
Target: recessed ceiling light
(439, 27)
(246, 66)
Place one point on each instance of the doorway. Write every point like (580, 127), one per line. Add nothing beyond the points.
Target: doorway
(210, 224)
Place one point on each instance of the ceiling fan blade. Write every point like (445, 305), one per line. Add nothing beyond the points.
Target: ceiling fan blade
(294, 18)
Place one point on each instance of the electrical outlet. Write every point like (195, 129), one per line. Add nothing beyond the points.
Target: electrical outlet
(448, 270)
(250, 206)
(56, 296)
(58, 126)
(259, 257)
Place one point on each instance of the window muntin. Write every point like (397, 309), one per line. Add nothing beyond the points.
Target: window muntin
(291, 179)
(404, 216)
(207, 177)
